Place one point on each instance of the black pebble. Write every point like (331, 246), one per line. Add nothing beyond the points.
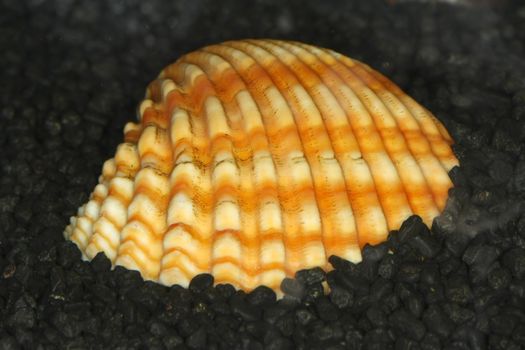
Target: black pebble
(326, 310)
(100, 263)
(8, 342)
(304, 316)
(458, 290)
(407, 324)
(387, 267)
(68, 254)
(261, 296)
(411, 228)
(22, 314)
(197, 340)
(201, 282)
(499, 278)
(293, 288)
(425, 245)
(242, 308)
(341, 297)
(66, 325)
(437, 321)
(310, 276)
(515, 261)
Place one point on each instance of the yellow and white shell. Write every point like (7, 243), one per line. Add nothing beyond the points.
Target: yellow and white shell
(253, 159)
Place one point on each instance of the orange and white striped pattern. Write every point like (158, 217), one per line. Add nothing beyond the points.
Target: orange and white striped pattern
(256, 158)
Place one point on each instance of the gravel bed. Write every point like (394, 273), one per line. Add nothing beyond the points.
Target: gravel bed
(72, 75)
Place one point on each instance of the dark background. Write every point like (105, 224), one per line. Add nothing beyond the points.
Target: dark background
(72, 74)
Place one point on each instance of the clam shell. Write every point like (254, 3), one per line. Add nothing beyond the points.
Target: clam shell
(254, 159)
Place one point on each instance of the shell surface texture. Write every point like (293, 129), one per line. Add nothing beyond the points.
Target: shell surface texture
(254, 159)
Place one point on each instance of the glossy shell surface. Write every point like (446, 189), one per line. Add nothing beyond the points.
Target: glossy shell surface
(254, 159)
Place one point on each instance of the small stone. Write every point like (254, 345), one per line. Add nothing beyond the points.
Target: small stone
(201, 282)
(457, 313)
(310, 276)
(171, 341)
(341, 297)
(100, 263)
(437, 321)
(285, 324)
(415, 305)
(261, 296)
(68, 254)
(292, 287)
(519, 177)
(225, 290)
(64, 324)
(503, 323)
(304, 316)
(412, 227)
(514, 260)
(408, 324)
(23, 314)
(425, 245)
(458, 290)
(8, 342)
(357, 284)
(430, 274)
(374, 253)
(409, 272)
(158, 328)
(326, 310)
(500, 171)
(387, 267)
(279, 343)
(430, 342)
(518, 288)
(499, 278)
(476, 339)
(403, 343)
(380, 289)
(313, 292)
(197, 340)
(376, 316)
(241, 308)
(272, 313)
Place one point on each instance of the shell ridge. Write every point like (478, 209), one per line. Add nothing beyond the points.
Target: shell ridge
(428, 124)
(343, 99)
(195, 199)
(274, 265)
(265, 140)
(438, 176)
(301, 52)
(232, 106)
(298, 165)
(431, 212)
(287, 205)
(100, 238)
(361, 222)
(310, 159)
(217, 267)
(211, 95)
(396, 158)
(439, 173)
(327, 237)
(147, 208)
(424, 119)
(385, 174)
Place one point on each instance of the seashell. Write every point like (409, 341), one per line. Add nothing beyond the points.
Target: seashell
(254, 159)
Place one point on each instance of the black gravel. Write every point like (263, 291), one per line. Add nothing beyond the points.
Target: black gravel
(73, 73)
